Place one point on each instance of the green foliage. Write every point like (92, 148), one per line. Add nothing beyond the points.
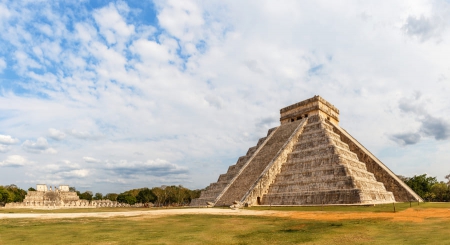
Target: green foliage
(440, 191)
(31, 189)
(145, 196)
(87, 195)
(126, 197)
(98, 196)
(429, 188)
(111, 196)
(11, 193)
(4, 196)
(422, 184)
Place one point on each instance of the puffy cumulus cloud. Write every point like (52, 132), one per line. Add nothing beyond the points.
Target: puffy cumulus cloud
(158, 167)
(56, 134)
(8, 140)
(14, 161)
(112, 24)
(39, 146)
(197, 83)
(188, 23)
(91, 160)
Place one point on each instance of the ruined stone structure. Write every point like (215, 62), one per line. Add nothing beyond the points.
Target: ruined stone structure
(60, 197)
(307, 160)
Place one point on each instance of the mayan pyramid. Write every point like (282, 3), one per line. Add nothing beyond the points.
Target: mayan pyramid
(307, 160)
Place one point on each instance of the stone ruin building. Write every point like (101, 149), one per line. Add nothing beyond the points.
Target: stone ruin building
(307, 160)
(60, 197)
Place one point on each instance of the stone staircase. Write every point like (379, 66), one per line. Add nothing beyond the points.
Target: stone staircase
(244, 180)
(211, 192)
(321, 169)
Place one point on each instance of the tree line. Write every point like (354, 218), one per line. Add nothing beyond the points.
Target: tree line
(11, 193)
(158, 196)
(427, 187)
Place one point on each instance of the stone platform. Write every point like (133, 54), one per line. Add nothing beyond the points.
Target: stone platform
(308, 160)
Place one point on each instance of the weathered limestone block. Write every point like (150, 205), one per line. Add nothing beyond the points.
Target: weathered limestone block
(211, 192)
(250, 173)
(317, 165)
(320, 143)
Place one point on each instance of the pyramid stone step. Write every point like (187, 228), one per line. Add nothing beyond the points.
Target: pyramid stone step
(241, 184)
(214, 189)
(307, 160)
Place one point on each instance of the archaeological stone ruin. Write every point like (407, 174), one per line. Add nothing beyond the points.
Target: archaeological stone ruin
(307, 160)
(60, 197)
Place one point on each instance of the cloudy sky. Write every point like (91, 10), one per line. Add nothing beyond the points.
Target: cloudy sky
(108, 96)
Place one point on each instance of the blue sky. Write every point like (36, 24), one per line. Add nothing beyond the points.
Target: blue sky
(113, 95)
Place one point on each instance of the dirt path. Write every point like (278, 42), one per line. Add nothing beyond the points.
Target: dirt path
(414, 215)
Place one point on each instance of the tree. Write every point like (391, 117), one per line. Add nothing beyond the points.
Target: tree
(194, 194)
(111, 196)
(31, 189)
(448, 179)
(422, 184)
(145, 196)
(440, 191)
(4, 195)
(126, 198)
(87, 195)
(98, 196)
(161, 195)
(16, 194)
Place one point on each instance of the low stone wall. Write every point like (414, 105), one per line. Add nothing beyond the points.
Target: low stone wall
(70, 204)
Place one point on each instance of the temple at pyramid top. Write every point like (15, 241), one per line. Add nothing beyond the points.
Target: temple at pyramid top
(313, 106)
(307, 160)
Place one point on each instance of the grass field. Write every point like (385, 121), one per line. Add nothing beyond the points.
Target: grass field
(328, 228)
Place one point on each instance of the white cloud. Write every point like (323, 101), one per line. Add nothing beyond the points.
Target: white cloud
(203, 84)
(14, 161)
(40, 146)
(2, 65)
(112, 25)
(8, 140)
(4, 148)
(91, 160)
(188, 22)
(158, 167)
(78, 173)
(84, 134)
(56, 134)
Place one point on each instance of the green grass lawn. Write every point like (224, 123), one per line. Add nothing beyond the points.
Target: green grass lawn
(216, 229)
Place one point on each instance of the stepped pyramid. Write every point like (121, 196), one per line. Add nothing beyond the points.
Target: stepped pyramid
(307, 160)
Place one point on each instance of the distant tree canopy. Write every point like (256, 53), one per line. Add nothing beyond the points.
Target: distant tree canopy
(160, 196)
(98, 196)
(146, 195)
(87, 195)
(11, 193)
(428, 187)
(111, 196)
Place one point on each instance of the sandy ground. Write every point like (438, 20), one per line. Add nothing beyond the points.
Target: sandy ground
(414, 215)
